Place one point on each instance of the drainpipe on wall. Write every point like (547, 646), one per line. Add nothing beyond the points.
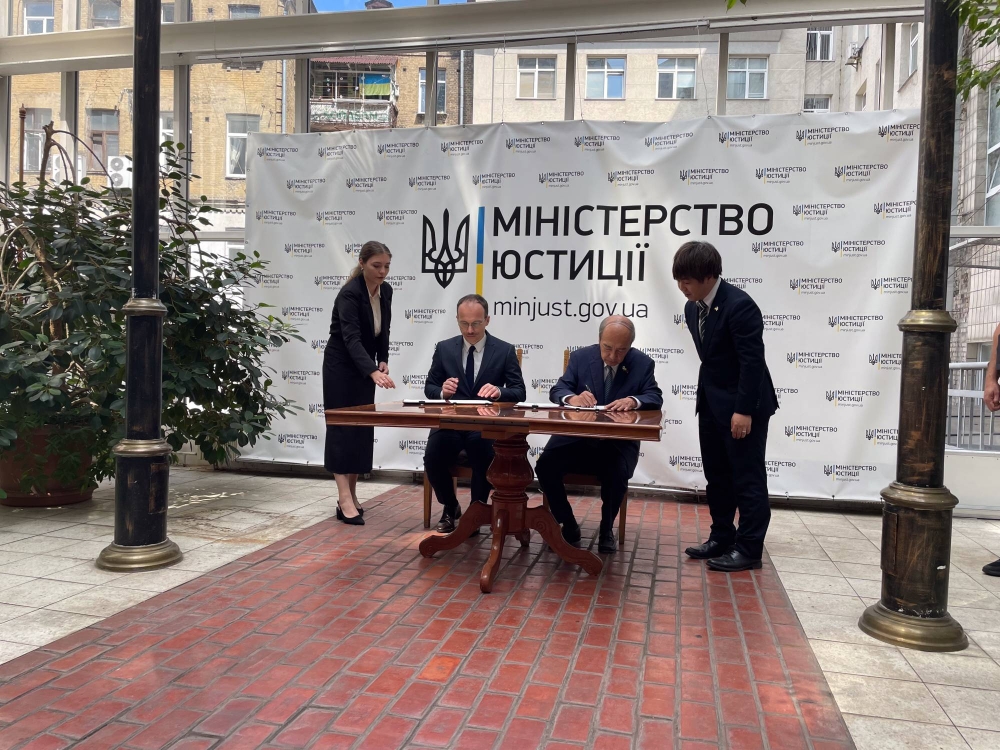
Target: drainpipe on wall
(284, 84)
(461, 87)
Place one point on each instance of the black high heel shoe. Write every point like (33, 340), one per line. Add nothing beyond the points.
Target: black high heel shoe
(352, 521)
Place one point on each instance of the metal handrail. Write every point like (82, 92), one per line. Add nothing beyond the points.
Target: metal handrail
(969, 425)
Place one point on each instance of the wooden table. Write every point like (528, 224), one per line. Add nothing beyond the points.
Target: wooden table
(510, 473)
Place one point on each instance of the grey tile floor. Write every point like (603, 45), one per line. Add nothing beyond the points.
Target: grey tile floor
(892, 697)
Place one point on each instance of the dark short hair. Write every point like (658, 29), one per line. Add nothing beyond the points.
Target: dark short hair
(475, 298)
(697, 260)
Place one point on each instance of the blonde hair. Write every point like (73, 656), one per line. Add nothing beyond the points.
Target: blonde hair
(368, 251)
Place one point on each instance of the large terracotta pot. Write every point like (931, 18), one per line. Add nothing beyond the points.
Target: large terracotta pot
(53, 492)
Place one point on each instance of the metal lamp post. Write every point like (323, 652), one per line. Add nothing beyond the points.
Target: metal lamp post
(917, 516)
(142, 459)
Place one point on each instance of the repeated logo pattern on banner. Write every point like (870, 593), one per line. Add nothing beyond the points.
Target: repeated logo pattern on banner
(560, 224)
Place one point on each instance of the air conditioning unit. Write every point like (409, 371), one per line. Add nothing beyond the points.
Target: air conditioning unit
(854, 54)
(58, 173)
(120, 172)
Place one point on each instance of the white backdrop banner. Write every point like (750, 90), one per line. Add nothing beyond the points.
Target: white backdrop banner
(560, 224)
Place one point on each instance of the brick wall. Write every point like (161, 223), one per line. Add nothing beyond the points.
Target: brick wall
(217, 90)
(408, 70)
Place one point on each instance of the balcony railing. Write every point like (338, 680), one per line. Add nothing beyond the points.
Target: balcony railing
(360, 112)
(970, 425)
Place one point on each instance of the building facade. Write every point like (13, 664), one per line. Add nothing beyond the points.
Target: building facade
(974, 275)
(228, 101)
(820, 69)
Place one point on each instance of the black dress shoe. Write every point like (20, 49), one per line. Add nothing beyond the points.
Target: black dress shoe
(733, 561)
(606, 541)
(707, 551)
(353, 521)
(992, 569)
(571, 532)
(449, 518)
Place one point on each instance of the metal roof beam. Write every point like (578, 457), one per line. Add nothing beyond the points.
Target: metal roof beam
(509, 23)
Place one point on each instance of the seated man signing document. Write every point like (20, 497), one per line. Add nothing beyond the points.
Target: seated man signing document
(610, 374)
(473, 365)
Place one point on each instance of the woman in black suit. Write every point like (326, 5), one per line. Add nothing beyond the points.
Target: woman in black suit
(355, 361)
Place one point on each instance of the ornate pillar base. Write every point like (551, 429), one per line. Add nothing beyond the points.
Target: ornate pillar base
(920, 633)
(122, 559)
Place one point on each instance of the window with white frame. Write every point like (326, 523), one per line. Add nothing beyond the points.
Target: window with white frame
(105, 14)
(536, 78)
(422, 91)
(747, 78)
(244, 11)
(34, 137)
(39, 16)
(992, 218)
(675, 77)
(238, 127)
(819, 43)
(167, 12)
(861, 98)
(605, 77)
(166, 132)
(914, 37)
(816, 104)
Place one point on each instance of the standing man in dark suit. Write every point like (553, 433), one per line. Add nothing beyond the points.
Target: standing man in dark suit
(471, 366)
(735, 400)
(614, 375)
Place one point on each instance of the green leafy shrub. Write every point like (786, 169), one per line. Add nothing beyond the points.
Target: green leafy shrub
(65, 274)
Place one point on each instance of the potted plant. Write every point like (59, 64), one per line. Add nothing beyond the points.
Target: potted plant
(65, 271)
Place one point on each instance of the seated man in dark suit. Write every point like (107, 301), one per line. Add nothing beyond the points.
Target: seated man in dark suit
(612, 374)
(474, 365)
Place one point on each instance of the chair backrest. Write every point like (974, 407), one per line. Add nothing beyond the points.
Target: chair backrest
(520, 356)
(565, 360)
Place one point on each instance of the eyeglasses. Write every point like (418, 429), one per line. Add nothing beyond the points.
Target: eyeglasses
(475, 325)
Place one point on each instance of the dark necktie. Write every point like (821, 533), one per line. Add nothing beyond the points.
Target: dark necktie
(702, 317)
(609, 378)
(470, 368)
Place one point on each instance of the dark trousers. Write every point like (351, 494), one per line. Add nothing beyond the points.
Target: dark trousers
(441, 454)
(589, 456)
(737, 479)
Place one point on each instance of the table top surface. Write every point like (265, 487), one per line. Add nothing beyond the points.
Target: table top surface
(504, 418)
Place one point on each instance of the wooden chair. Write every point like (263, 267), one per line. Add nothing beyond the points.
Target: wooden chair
(590, 480)
(461, 470)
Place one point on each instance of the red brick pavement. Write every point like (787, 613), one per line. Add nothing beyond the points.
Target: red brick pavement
(344, 637)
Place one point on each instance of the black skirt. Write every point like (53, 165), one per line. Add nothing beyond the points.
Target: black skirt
(348, 449)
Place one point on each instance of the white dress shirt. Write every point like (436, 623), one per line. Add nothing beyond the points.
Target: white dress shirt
(710, 298)
(477, 358)
(376, 302)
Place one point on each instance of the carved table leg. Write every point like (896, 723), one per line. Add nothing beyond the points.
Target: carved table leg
(475, 516)
(545, 524)
(492, 566)
(508, 513)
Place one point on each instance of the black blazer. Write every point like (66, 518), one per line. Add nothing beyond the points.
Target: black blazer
(733, 378)
(499, 367)
(633, 378)
(352, 328)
